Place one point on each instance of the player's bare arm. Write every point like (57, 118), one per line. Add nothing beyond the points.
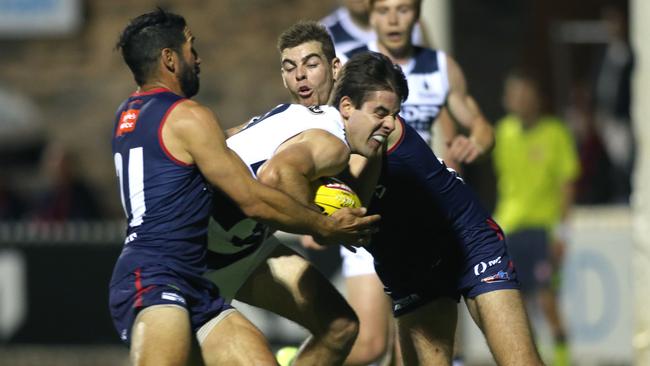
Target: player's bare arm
(233, 130)
(192, 135)
(464, 109)
(302, 160)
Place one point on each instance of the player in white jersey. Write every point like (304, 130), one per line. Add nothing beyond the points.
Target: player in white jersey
(290, 148)
(255, 144)
(350, 28)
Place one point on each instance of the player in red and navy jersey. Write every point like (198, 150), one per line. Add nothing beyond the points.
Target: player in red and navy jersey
(169, 152)
(435, 244)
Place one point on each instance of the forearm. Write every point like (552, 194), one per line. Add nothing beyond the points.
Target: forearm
(362, 175)
(482, 134)
(288, 180)
(282, 212)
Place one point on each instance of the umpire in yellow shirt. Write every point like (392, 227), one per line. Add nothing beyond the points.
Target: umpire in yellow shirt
(535, 165)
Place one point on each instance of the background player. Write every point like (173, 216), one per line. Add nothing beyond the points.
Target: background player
(165, 147)
(349, 26)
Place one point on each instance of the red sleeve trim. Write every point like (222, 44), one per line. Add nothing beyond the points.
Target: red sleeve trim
(160, 139)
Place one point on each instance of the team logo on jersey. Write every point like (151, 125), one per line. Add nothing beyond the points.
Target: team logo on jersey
(127, 122)
(315, 109)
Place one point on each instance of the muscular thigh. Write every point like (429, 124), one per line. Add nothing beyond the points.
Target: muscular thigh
(234, 340)
(288, 285)
(161, 335)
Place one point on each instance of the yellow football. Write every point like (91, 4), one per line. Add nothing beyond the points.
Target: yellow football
(333, 194)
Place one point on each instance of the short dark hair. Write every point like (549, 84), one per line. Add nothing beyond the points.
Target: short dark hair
(368, 72)
(306, 31)
(417, 4)
(144, 37)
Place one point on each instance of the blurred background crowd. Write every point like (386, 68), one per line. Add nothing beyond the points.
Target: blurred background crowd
(61, 81)
(59, 87)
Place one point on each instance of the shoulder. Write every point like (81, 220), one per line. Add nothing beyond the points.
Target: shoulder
(355, 50)
(453, 67)
(190, 111)
(507, 125)
(428, 60)
(190, 118)
(554, 125)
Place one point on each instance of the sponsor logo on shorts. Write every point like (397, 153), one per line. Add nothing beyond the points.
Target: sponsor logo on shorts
(123, 335)
(172, 297)
(500, 276)
(480, 268)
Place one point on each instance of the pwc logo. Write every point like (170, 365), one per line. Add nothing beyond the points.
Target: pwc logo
(127, 121)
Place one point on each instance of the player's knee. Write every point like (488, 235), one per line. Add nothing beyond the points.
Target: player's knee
(343, 331)
(370, 348)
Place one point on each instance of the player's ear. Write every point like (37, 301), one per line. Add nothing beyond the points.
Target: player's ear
(346, 107)
(168, 58)
(336, 67)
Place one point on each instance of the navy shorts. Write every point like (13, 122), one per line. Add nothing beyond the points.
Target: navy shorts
(530, 251)
(158, 285)
(469, 264)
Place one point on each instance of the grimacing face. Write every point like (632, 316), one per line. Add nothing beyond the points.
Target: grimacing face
(393, 21)
(367, 128)
(307, 74)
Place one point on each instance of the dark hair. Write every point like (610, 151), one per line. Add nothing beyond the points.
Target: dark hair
(144, 37)
(368, 72)
(536, 81)
(417, 4)
(306, 31)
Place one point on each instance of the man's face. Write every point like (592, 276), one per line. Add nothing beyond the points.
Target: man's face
(521, 98)
(368, 127)
(393, 21)
(307, 74)
(189, 67)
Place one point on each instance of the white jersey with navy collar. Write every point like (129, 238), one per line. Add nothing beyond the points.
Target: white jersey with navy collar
(238, 244)
(258, 141)
(347, 35)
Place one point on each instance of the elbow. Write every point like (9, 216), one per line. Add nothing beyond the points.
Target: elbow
(269, 176)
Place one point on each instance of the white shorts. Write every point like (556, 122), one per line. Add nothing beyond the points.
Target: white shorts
(356, 264)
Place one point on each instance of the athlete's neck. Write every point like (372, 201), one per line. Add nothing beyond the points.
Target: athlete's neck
(360, 20)
(398, 56)
(157, 84)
